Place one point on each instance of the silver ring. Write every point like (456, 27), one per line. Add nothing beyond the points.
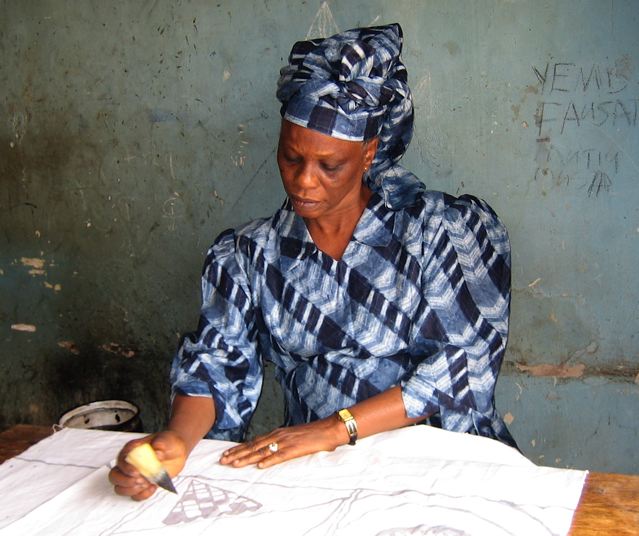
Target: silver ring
(273, 447)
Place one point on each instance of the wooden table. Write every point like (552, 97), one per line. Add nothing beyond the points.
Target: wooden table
(19, 438)
(609, 503)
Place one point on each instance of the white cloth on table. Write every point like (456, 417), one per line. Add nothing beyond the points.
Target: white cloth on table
(417, 480)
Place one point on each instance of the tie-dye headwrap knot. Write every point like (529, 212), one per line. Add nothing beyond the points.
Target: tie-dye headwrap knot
(353, 86)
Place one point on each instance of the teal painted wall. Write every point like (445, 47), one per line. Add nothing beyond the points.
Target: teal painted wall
(131, 133)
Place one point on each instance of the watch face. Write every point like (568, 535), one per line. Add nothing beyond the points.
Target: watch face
(344, 414)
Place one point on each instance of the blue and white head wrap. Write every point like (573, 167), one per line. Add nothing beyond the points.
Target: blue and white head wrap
(353, 86)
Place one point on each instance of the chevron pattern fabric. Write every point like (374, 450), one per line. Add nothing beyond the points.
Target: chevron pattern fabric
(419, 299)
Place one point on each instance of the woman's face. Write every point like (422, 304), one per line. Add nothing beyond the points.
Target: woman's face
(322, 175)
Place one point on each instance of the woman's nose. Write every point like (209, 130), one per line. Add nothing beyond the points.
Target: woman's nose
(305, 176)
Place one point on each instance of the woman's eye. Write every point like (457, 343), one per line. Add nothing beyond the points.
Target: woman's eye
(331, 168)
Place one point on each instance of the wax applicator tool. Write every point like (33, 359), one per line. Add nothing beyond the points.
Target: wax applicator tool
(144, 459)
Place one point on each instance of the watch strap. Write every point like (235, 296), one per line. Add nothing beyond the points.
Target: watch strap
(351, 424)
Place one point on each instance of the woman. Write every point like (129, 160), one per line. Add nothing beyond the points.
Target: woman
(380, 304)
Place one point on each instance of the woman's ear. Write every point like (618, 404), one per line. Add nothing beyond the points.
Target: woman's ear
(370, 148)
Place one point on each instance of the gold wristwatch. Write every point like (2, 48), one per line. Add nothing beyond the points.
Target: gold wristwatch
(351, 425)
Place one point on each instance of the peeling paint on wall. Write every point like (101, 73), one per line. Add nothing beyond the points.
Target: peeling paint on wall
(36, 265)
(583, 365)
(559, 371)
(115, 348)
(57, 287)
(34, 262)
(69, 345)
(30, 328)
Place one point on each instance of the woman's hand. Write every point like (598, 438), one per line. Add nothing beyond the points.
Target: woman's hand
(287, 443)
(128, 481)
(376, 414)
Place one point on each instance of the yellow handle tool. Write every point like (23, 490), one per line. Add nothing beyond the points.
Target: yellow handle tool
(144, 459)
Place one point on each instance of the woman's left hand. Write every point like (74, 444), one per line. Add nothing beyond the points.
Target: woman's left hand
(285, 444)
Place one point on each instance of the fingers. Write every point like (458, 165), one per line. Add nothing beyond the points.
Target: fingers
(264, 451)
(136, 487)
(168, 445)
(170, 450)
(274, 458)
(145, 494)
(126, 479)
(285, 444)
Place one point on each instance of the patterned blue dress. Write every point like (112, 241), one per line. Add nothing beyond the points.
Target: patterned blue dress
(420, 299)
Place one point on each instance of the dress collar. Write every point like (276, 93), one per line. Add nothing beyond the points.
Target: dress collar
(376, 225)
(374, 228)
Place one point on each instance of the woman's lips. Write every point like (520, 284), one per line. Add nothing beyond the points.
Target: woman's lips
(304, 203)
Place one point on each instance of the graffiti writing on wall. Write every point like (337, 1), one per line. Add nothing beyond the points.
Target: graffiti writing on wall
(584, 109)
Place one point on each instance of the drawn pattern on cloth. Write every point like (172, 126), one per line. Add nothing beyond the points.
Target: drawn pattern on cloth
(461, 485)
(423, 530)
(201, 500)
(209, 503)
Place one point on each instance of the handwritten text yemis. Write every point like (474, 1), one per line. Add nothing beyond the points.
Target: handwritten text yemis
(577, 95)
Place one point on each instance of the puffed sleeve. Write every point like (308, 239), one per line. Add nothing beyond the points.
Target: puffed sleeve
(466, 283)
(220, 359)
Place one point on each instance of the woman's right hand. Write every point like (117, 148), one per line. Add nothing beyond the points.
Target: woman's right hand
(127, 480)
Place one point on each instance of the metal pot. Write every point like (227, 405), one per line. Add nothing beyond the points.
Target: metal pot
(116, 415)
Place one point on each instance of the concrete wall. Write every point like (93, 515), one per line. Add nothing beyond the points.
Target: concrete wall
(131, 133)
